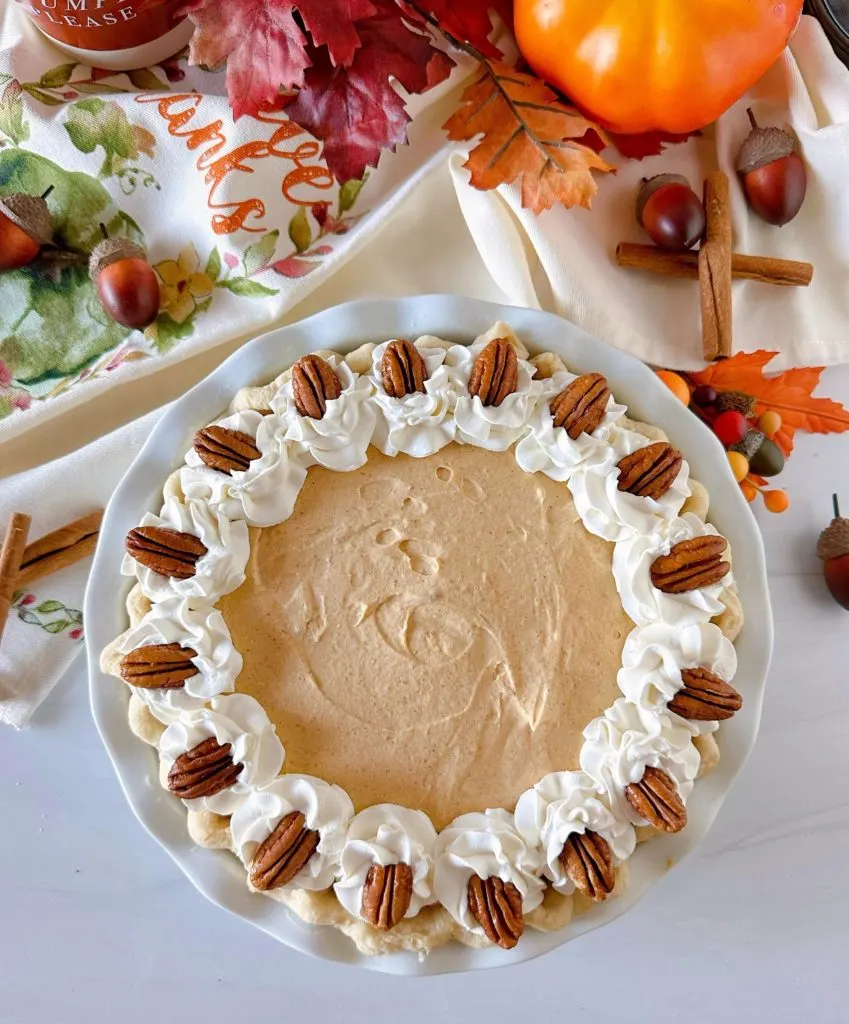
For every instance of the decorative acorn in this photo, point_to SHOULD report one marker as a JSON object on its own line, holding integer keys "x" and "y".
{"x": 764, "y": 456}
{"x": 126, "y": 283}
{"x": 25, "y": 226}
{"x": 773, "y": 173}
{"x": 833, "y": 549}
{"x": 670, "y": 212}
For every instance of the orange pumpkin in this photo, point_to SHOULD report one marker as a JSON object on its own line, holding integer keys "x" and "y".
{"x": 644, "y": 65}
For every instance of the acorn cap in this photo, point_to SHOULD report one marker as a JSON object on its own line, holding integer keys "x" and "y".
{"x": 31, "y": 214}
{"x": 764, "y": 146}
{"x": 834, "y": 539}
{"x": 735, "y": 401}
{"x": 651, "y": 185}
{"x": 113, "y": 250}
{"x": 750, "y": 444}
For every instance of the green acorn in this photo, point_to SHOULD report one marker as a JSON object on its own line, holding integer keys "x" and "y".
{"x": 768, "y": 460}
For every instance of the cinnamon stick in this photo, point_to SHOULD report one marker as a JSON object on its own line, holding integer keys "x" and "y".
{"x": 715, "y": 269}
{"x": 10, "y": 562}
{"x": 61, "y": 548}
{"x": 766, "y": 269}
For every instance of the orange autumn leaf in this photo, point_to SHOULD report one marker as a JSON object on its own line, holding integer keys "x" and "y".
{"x": 528, "y": 135}
{"x": 789, "y": 394}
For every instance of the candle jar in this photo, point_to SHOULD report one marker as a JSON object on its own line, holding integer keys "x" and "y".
{"x": 115, "y": 34}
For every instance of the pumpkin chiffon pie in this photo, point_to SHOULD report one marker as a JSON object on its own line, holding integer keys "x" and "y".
{"x": 430, "y": 636}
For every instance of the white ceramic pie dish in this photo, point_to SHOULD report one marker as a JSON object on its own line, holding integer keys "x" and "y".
{"x": 218, "y": 875}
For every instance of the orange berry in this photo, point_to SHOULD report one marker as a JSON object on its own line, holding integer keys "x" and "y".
{"x": 769, "y": 423}
{"x": 750, "y": 492}
{"x": 739, "y": 465}
{"x": 776, "y": 501}
{"x": 676, "y": 384}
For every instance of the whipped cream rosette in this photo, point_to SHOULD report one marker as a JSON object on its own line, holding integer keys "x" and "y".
{"x": 494, "y": 427}
{"x": 421, "y": 423}
{"x": 265, "y": 493}
{"x": 387, "y": 834}
{"x": 240, "y": 721}
{"x": 340, "y": 439}
{"x": 621, "y": 743}
{"x": 549, "y": 449}
{"x": 563, "y": 804}
{"x": 486, "y": 844}
{"x": 217, "y": 572}
{"x": 204, "y": 631}
{"x": 327, "y": 809}
{"x": 617, "y": 515}
{"x": 644, "y": 603}
{"x": 655, "y": 655}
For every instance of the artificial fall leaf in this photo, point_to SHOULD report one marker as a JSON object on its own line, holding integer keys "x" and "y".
{"x": 264, "y": 46}
{"x": 356, "y": 110}
{"x": 789, "y": 394}
{"x": 527, "y": 134}
{"x": 467, "y": 20}
{"x": 638, "y": 147}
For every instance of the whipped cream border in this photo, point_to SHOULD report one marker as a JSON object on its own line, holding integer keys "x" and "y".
{"x": 673, "y": 631}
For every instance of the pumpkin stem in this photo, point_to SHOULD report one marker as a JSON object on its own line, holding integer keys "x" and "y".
{"x": 752, "y": 120}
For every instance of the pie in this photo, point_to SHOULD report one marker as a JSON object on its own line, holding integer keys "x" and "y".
{"x": 430, "y": 636}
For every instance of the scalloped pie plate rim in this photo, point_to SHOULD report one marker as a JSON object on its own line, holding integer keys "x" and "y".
{"x": 217, "y": 873}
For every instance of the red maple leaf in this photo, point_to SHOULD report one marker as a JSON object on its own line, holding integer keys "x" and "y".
{"x": 467, "y": 20}
{"x": 637, "y": 147}
{"x": 355, "y": 110}
{"x": 264, "y": 46}
{"x": 332, "y": 23}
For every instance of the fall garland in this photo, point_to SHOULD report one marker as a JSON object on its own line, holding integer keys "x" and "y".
{"x": 335, "y": 64}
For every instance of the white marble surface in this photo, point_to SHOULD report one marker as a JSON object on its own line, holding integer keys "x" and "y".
{"x": 99, "y": 925}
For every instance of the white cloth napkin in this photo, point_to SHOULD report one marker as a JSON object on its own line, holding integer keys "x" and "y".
{"x": 240, "y": 219}
{"x": 44, "y": 632}
{"x": 563, "y": 260}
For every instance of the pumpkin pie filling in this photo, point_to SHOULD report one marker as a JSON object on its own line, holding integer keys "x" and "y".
{"x": 430, "y": 632}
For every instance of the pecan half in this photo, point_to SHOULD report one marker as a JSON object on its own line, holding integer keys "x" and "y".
{"x": 158, "y": 666}
{"x": 166, "y": 551}
{"x": 580, "y": 407}
{"x": 204, "y": 770}
{"x": 705, "y": 697}
{"x": 314, "y": 384}
{"x": 655, "y": 797}
{"x": 495, "y": 373}
{"x": 650, "y": 471}
{"x": 402, "y": 368}
{"x": 690, "y": 564}
{"x": 588, "y": 862}
{"x": 497, "y": 907}
{"x": 228, "y": 451}
{"x": 387, "y": 894}
{"x": 284, "y": 853}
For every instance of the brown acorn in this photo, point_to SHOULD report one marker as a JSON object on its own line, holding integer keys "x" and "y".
{"x": 773, "y": 173}
{"x": 126, "y": 283}
{"x": 833, "y": 549}
{"x": 25, "y": 226}
{"x": 670, "y": 212}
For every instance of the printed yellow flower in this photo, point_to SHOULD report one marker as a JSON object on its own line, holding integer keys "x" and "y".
{"x": 182, "y": 284}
